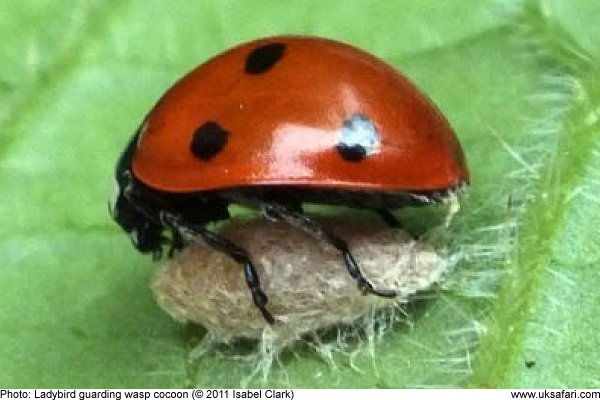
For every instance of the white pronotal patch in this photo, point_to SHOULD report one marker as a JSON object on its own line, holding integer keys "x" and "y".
{"x": 112, "y": 203}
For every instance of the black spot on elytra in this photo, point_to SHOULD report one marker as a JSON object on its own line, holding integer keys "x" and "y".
{"x": 208, "y": 140}
{"x": 354, "y": 152}
{"x": 262, "y": 58}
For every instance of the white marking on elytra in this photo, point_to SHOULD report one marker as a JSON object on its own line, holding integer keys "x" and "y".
{"x": 360, "y": 130}
{"x": 112, "y": 204}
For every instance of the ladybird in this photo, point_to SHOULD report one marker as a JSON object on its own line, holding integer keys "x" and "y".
{"x": 274, "y": 124}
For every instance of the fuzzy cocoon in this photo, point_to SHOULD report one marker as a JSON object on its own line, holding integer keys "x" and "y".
{"x": 305, "y": 279}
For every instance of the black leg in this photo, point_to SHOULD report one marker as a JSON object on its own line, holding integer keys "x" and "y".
{"x": 389, "y": 218}
{"x": 176, "y": 242}
{"x": 392, "y": 221}
{"x": 232, "y": 250}
{"x": 279, "y": 212}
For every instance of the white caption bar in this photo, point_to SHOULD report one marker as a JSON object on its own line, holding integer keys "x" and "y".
{"x": 298, "y": 394}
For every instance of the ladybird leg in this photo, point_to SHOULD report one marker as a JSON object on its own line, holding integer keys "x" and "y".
{"x": 393, "y": 222}
{"x": 279, "y": 212}
{"x": 389, "y": 218}
{"x": 234, "y": 251}
{"x": 241, "y": 256}
{"x": 176, "y": 242}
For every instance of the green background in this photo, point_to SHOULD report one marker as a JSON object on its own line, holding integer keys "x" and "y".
{"x": 517, "y": 79}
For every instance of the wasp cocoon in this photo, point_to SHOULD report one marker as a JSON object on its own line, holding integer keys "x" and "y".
{"x": 306, "y": 280}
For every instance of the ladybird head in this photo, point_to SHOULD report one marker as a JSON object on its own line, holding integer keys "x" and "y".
{"x": 145, "y": 232}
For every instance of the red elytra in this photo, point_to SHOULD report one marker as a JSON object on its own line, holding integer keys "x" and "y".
{"x": 275, "y": 123}
{"x": 284, "y": 124}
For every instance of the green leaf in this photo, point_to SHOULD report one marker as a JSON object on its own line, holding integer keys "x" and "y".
{"x": 545, "y": 311}
{"x": 517, "y": 79}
